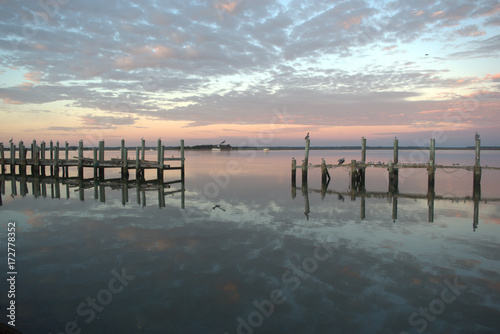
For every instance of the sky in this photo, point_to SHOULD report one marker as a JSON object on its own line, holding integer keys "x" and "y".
{"x": 251, "y": 72}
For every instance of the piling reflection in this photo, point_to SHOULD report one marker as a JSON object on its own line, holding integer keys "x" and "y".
{"x": 358, "y": 190}
{"x": 56, "y": 188}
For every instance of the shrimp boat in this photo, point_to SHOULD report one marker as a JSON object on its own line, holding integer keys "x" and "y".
{"x": 266, "y": 149}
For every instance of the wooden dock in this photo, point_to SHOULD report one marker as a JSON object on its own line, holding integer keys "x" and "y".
{"x": 357, "y": 169}
{"x": 39, "y": 158}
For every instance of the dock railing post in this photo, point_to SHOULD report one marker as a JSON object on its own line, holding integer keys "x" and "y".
{"x": 51, "y": 154}
{"x": 12, "y": 158}
{"x": 56, "y": 160}
{"x": 22, "y": 159}
{"x": 2, "y": 159}
{"x": 42, "y": 157}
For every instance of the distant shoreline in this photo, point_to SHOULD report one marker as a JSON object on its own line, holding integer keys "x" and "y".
{"x": 296, "y": 148}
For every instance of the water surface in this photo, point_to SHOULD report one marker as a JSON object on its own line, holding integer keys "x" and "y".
{"x": 241, "y": 251}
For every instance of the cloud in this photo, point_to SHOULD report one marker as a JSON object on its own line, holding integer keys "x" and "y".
{"x": 106, "y": 121}
{"x": 470, "y": 31}
{"x": 233, "y": 61}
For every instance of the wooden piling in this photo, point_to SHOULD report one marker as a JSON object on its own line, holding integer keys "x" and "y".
{"x": 56, "y": 160}
{"x": 101, "y": 159}
{"x": 22, "y": 159}
{"x": 158, "y": 153}
{"x": 161, "y": 160}
{"x": 477, "y": 165}
{"x": 395, "y": 146}
{"x": 137, "y": 165}
{"x": 33, "y": 148}
{"x": 431, "y": 169}
{"x": 12, "y": 158}
{"x": 42, "y": 157}
{"x": 122, "y": 156}
{"x": 66, "y": 157}
{"x": 35, "y": 168}
{"x": 325, "y": 176}
{"x": 125, "y": 164}
{"x": 182, "y": 160}
{"x": 304, "y": 172}
{"x": 80, "y": 160}
{"x": 51, "y": 155}
{"x": 294, "y": 171}
{"x": 2, "y": 159}
{"x": 96, "y": 162}
{"x": 143, "y": 149}
{"x": 306, "y": 158}
{"x": 363, "y": 149}
{"x": 354, "y": 174}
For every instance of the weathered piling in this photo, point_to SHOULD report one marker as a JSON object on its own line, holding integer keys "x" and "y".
{"x": 125, "y": 174}
{"x": 137, "y": 164}
{"x": 325, "y": 176}
{"x": 182, "y": 160}
{"x": 305, "y": 162}
{"x": 306, "y": 157}
{"x": 96, "y": 162}
{"x": 2, "y": 159}
{"x": 354, "y": 175}
{"x": 431, "y": 168}
{"x": 12, "y": 158}
{"x": 51, "y": 155}
{"x": 101, "y": 159}
{"x": 363, "y": 149}
{"x": 66, "y": 157}
{"x": 143, "y": 149}
{"x": 56, "y": 160}
{"x": 80, "y": 159}
{"x": 477, "y": 163}
{"x": 294, "y": 170}
{"x": 42, "y": 156}
{"x": 22, "y": 159}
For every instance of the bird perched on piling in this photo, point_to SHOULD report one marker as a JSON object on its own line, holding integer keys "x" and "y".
{"x": 341, "y": 161}
{"x": 307, "y": 136}
{"x": 477, "y": 136}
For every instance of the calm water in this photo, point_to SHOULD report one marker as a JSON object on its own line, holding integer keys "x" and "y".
{"x": 249, "y": 254}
